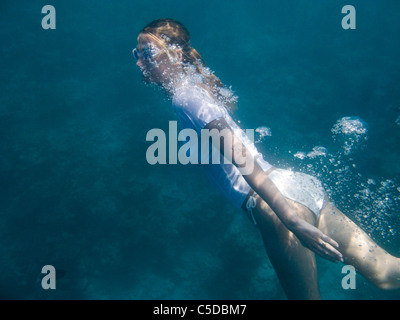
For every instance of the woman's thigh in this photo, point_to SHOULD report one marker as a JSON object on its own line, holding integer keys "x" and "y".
{"x": 294, "y": 264}
{"x": 359, "y": 249}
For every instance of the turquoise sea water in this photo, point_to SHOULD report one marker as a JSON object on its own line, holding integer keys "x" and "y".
{"x": 78, "y": 194}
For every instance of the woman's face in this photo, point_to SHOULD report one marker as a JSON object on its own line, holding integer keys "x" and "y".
{"x": 154, "y": 60}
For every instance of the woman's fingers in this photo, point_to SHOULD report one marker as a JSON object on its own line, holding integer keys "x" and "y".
{"x": 324, "y": 253}
{"x": 332, "y": 242}
{"x": 320, "y": 243}
{"x": 330, "y": 251}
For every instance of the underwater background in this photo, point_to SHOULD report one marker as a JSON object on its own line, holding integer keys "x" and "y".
{"x": 76, "y": 189}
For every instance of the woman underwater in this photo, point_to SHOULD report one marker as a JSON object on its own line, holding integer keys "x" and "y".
{"x": 291, "y": 210}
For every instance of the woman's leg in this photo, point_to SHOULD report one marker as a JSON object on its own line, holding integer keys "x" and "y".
{"x": 358, "y": 249}
{"x": 294, "y": 264}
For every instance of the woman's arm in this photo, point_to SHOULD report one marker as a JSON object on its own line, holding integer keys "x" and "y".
{"x": 234, "y": 150}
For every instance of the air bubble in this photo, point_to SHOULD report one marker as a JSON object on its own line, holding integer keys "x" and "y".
{"x": 302, "y": 156}
{"x": 350, "y": 133}
{"x": 317, "y": 151}
{"x": 262, "y": 132}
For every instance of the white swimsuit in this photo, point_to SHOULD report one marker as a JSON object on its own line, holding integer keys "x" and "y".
{"x": 195, "y": 109}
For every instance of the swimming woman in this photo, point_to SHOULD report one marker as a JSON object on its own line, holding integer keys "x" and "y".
{"x": 291, "y": 210}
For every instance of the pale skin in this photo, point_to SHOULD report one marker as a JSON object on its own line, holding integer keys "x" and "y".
{"x": 290, "y": 231}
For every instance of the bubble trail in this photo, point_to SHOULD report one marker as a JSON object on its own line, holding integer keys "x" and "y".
{"x": 350, "y": 133}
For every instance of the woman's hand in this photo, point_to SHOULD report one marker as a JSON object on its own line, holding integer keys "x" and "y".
{"x": 315, "y": 240}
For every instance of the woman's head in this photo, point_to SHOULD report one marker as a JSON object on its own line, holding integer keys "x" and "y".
{"x": 164, "y": 49}
{"x": 164, "y": 54}
{"x": 172, "y": 37}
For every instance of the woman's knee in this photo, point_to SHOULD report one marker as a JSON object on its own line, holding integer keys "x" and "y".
{"x": 387, "y": 275}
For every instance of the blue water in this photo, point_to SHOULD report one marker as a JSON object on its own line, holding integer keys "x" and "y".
{"x": 78, "y": 194}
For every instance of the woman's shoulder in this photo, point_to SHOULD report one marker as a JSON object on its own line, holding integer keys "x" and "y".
{"x": 196, "y": 103}
{"x": 193, "y": 94}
